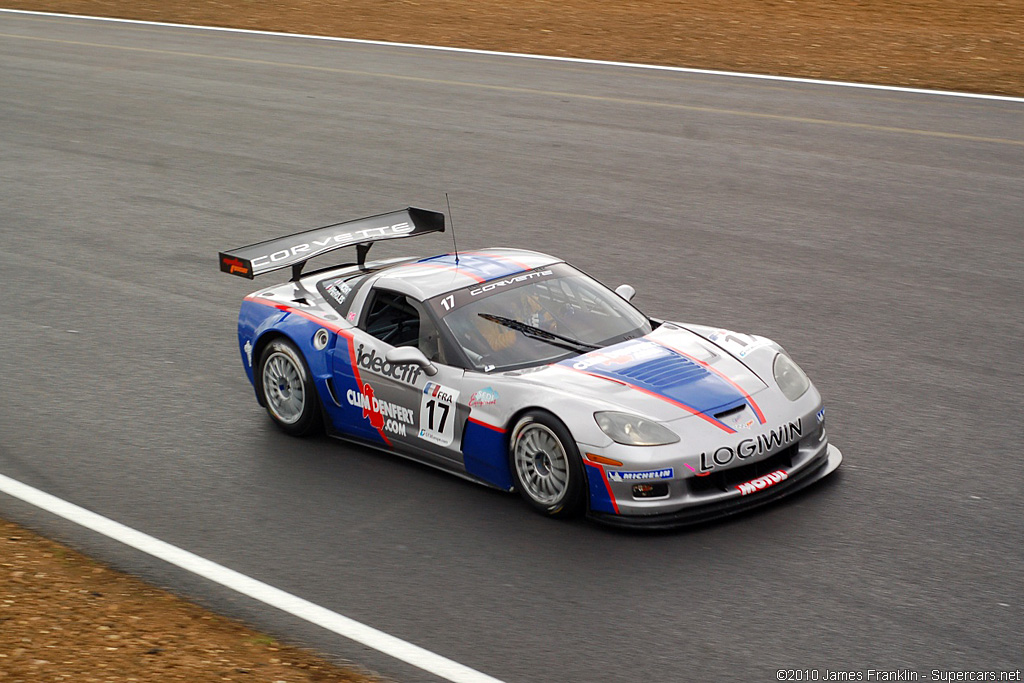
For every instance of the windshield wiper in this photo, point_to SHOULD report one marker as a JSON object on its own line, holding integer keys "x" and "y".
{"x": 541, "y": 335}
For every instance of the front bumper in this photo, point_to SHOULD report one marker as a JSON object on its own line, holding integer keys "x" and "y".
{"x": 818, "y": 468}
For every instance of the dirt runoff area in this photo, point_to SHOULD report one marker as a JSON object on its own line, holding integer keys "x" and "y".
{"x": 63, "y": 617}
{"x": 965, "y": 45}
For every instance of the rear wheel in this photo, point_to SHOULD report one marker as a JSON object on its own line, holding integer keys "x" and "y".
{"x": 286, "y": 388}
{"x": 546, "y": 465}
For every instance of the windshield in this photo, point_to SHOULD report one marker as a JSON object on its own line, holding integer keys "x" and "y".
{"x": 558, "y": 299}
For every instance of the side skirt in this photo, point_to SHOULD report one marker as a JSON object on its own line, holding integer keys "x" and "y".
{"x": 438, "y": 465}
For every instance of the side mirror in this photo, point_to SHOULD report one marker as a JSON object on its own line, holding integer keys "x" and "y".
{"x": 626, "y": 292}
{"x": 410, "y": 355}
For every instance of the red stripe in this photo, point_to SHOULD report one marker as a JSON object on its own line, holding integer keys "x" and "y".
{"x": 333, "y": 327}
{"x": 484, "y": 424}
{"x": 329, "y": 325}
{"x": 500, "y": 258}
{"x": 753, "y": 404}
{"x": 359, "y": 382}
{"x": 692, "y": 411}
{"x": 455, "y": 269}
{"x": 607, "y": 484}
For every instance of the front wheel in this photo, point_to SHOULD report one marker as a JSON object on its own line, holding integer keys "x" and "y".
{"x": 546, "y": 465}
{"x": 286, "y": 389}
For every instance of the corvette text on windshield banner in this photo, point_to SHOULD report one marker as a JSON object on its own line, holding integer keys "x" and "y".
{"x": 295, "y": 250}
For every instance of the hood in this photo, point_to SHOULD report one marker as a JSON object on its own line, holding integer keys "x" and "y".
{"x": 667, "y": 374}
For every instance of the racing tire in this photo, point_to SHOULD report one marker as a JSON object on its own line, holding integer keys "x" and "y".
{"x": 546, "y": 465}
{"x": 285, "y": 387}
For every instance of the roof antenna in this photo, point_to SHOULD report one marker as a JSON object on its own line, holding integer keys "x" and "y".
{"x": 452, "y": 221}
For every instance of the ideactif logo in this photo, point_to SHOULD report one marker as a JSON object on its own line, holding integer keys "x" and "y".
{"x": 376, "y": 364}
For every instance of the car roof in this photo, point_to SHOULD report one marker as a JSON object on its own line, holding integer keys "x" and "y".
{"x": 428, "y": 277}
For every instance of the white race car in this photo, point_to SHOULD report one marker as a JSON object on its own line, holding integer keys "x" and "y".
{"x": 513, "y": 369}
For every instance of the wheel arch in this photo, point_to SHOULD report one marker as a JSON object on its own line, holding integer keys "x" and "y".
{"x": 267, "y": 339}
{"x": 577, "y": 495}
{"x": 261, "y": 343}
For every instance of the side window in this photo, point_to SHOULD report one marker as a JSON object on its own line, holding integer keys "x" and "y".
{"x": 397, "y": 320}
{"x": 392, "y": 319}
{"x": 430, "y": 339}
{"x": 340, "y": 292}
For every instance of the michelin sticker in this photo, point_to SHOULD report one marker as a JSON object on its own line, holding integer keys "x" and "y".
{"x": 437, "y": 414}
{"x": 666, "y": 473}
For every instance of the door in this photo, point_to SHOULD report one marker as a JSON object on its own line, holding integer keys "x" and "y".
{"x": 401, "y": 405}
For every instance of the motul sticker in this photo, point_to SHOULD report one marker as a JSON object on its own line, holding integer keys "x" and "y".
{"x": 761, "y": 483}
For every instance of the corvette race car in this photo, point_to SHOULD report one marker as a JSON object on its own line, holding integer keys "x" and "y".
{"x": 515, "y": 370}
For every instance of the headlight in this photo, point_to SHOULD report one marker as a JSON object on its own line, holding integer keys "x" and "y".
{"x": 633, "y": 430}
{"x": 790, "y": 377}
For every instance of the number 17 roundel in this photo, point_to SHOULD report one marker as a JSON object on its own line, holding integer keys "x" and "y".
{"x": 437, "y": 419}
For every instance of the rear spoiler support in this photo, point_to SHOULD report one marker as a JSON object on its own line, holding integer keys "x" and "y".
{"x": 295, "y": 250}
{"x": 363, "y": 249}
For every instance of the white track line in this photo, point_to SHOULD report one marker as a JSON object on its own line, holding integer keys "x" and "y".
{"x": 574, "y": 60}
{"x": 257, "y": 590}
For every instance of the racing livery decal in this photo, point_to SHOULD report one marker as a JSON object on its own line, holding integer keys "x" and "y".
{"x": 739, "y": 345}
{"x": 437, "y": 414}
{"x": 619, "y": 355}
{"x": 496, "y": 284}
{"x": 480, "y": 267}
{"x": 755, "y": 485}
{"x": 382, "y": 415}
{"x": 339, "y": 290}
{"x": 485, "y": 397}
{"x": 377, "y": 365}
{"x": 601, "y": 497}
{"x": 484, "y": 453}
{"x": 666, "y": 374}
{"x": 618, "y": 475}
{"x": 233, "y": 266}
{"x": 747, "y": 448}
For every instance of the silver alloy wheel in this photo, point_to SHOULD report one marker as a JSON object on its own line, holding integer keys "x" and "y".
{"x": 284, "y": 388}
{"x": 541, "y": 463}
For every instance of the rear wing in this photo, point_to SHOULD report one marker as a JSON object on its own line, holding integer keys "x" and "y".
{"x": 295, "y": 250}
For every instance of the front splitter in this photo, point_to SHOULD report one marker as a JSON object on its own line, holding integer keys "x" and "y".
{"x": 706, "y": 512}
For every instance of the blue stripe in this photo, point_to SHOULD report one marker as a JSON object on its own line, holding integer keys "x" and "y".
{"x": 663, "y": 372}
{"x": 346, "y": 418}
{"x": 486, "y": 267}
{"x": 485, "y": 455}
{"x": 600, "y": 501}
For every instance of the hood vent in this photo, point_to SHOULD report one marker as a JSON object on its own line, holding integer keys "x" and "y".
{"x": 731, "y": 412}
{"x": 668, "y": 371}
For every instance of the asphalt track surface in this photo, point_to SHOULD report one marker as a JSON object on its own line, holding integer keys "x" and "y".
{"x": 877, "y": 235}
